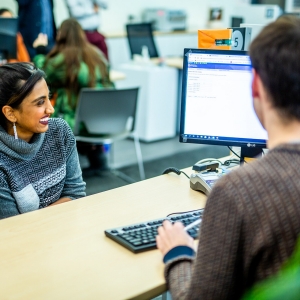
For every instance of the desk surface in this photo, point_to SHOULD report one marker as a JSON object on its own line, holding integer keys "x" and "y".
{"x": 61, "y": 252}
{"x": 116, "y": 75}
{"x": 123, "y": 34}
{"x": 174, "y": 62}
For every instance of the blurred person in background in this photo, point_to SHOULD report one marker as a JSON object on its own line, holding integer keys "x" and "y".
{"x": 35, "y": 17}
{"x": 22, "y": 53}
{"x": 86, "y": 12}
{"x": 72, "y": 64}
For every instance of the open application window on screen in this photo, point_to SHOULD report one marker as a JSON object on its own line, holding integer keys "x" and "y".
{"x": 217, "y": 100}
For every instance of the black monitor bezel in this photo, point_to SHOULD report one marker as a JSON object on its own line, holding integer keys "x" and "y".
{"x": 182, "y": 136}
{"x": 9, "y": 31}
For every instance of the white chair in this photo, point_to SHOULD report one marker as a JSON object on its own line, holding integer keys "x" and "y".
{"x": 108, "y": 115}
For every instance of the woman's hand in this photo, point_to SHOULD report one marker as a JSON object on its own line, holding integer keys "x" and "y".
{"x": 61, "y": 200}
{"x": 41, "y": 40}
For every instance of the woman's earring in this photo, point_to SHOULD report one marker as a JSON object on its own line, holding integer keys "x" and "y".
{"x": 15, "y": 131}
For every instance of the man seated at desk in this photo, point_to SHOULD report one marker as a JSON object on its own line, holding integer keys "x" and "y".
{"x": 252, "y": 216}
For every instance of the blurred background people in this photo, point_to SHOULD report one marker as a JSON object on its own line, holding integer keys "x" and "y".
{"x": 72, "y": 64}
{"x": 86, "y": 12}
{"x": 35, "y": 17}
{"x": 22, "y": 53}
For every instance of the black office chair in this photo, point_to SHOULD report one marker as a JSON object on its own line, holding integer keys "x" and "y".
{"x": 140, "y": 35}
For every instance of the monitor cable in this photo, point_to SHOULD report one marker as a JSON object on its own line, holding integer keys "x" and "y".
{"x": 225, "y": 163}
{"x": 230, "y": 148}
{"x": 182, "y": 212}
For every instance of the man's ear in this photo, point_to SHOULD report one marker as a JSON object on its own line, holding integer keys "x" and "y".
{"x": 9, "y": 113}
{"x": 255, "y": 85}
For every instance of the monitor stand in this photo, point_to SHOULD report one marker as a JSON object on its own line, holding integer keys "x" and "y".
{"x": 250, "y": 152}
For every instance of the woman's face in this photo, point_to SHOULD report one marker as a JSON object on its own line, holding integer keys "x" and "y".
{"x": 33, "y": 114}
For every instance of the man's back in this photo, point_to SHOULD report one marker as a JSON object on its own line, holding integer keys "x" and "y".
{"x": 252, "y": 216}
{"x": 250, "y": 227}
{"x": 269, "y": 199}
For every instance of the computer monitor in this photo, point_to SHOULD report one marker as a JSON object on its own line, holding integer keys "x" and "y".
{"x": 8, "y": 37}
{"x": 216, "y": 105}
{"x": 236, "y": 21}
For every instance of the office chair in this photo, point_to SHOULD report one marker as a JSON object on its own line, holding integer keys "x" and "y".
{"x": 104, "y": 116}
{"x": 140, "y": 35}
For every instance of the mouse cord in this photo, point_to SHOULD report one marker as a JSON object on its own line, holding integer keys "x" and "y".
{"x": 174, "y": 170}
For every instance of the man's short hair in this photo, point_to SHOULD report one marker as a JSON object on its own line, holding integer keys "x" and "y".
{"x": 275, "y": 55}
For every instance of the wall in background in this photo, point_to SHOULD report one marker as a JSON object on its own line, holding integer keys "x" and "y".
{"x": 116, "y": 16}
{"x": 10, "y": 4}
{"x": 197, "y": 11}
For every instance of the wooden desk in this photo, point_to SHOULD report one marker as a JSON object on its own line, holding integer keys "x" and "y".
{"x": 174, "y": 62}
{"x": 61, "y": 252}
{"x": 121, "y": 34}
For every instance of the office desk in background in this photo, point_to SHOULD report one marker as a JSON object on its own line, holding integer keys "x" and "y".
{"x": 177, "y": 63}
{"x": 169, "y": 44}
{"x": 61, "y": 252}
{"x": 157, "y": 99}
{"x": 158, "y": 111}
{"x": 173, "y": 62}
{"x": 116, "y": 75}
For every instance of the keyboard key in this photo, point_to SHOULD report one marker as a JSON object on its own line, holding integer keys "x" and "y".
{"x": 137, "y": 243}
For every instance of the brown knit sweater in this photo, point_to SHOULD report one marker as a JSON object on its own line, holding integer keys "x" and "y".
{"x": 250, "y": 226}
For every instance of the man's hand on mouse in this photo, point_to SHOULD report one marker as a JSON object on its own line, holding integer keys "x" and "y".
{"x": 170, "y": 236}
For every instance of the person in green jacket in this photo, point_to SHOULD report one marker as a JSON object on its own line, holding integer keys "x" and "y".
{"x": 284, "y": 285}
{"x": 73, "y": 63}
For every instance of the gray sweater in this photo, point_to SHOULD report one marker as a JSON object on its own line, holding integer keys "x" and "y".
{"x": 36, "y": 174}
{"x": 249, "y": 229}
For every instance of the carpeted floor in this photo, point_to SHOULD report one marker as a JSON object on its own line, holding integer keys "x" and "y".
{"x": 107, "y": 180}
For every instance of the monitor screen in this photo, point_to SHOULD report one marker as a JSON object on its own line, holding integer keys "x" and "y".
{"x": 216, "y": 105}
{"x": 236, "y": 21}
{"x": 8, "y": 37}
